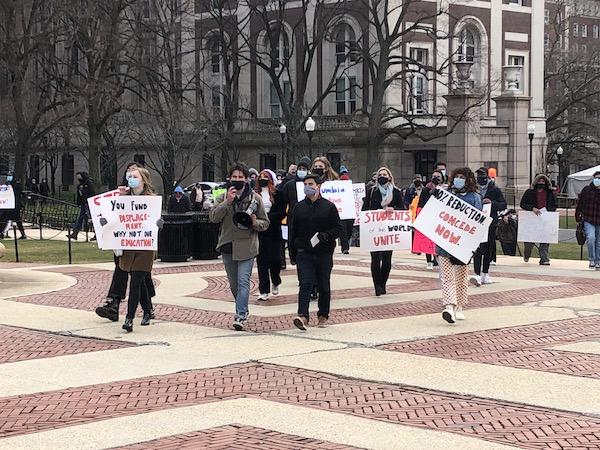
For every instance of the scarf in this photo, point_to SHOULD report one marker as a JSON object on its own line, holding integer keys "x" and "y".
{"x": 387, "y": 194}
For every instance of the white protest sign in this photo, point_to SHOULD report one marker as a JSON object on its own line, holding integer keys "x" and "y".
{"x": 540, "y": 229}
{"x": 359, "y": 195}
{"x": 338, "y": 192}
{"x": 381, "y": 230}
{"x": 96, "y": 213}
{"x": 453, "y": 224}
{"x": 131, "y": 222}
{"x": 7, "y": 197}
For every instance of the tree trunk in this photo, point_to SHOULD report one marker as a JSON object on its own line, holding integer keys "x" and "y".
{"x": 94, "y": 154}
{"x": 22, "y": 150}
{"x": 373, "y": 160}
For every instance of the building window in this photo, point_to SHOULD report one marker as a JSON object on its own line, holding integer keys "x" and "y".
{"x": 335, "y": 159}
{"x": 208, "y": 167}
{"x": 418, "y": 82}
{"x": 546, "y": 41}
{"x": 279, "y": 52}
{"x": 345, "y": 95}
{"x": 583, "y": 31}
{"x": 425, "y": 162}
{"x": 595, "y": 32}
{"x": 140, "y": 159}
{"x": 215, "y": 57}
{"x": 275, "y": 101}
{"x": 515, "y": 2}
{"x": 467, "y": 47}
{"x": 216, "y": 101}
{"x": 268, "y": 161}
{"x": 146, "y": 9}
{"x": 575, "y": 30}
{"x": 546, "y": 16}
{"x": 345, "y": 45}
{"x": 67, "y": 170}
{"x": 517, "y": 60}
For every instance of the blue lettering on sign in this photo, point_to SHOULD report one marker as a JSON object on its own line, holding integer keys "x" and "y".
{"x": 332, "y": 190}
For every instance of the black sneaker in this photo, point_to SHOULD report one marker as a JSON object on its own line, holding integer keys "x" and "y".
{"x": 128, "y": 325}
{"x": 109, "y": 311}
{"x": 145, "y": 320}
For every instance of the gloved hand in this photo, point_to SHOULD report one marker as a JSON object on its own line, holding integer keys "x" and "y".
{"x": 324, "y": 237}
{"x": 118, "y": 253}
{"x": 103, "y": 221}
{"x": 160, "y": 223}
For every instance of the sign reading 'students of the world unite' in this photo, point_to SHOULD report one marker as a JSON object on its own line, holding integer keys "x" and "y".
{"x": 453, "y": 224}
{"x": 382, "y": 230}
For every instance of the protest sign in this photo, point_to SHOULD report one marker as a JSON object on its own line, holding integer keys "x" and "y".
{"x": 453, "y": 224}
{"x": 539, "y": 229}
{"x": 95, "y": 213}
{"x": 421, "y": 244}
{"x": 7, "y": 197}
{"x": 382, "y": 230}
{"x": 359, "y": 195}
{"x": 339, "y": 192}
{"x": 131, "y": 222}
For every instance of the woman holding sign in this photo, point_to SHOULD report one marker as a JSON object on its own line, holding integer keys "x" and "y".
{"x": 384, "y": 195}
{"x": 454, "y": 273}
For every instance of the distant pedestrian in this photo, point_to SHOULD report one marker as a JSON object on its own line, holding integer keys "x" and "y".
{"x": 347, "y": 224}
{"x": 179, "y": 203}
{"x": 44, "y": 188}
{"x": 14, "y": 215}
{"x": 539, "y": 198}
{"x": 588, "y": 212}
{"x": 344, "y": 174}
{"x": 197, "y": 197}
{"x": 507, "y": 232}
{"x": 436, "y": 182}
{"x": 85, "y": 190}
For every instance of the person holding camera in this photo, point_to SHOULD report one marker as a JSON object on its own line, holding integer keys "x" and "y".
{"x": 315, "y": 227}
{"x": 242, "y": 215}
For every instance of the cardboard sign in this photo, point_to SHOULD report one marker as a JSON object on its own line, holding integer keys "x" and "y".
{"x": 359, "y": 194}
{"x": 131, "y": 222}
{"x": 7, "y": 197}
{"x": 339, "y": 192}
{"x": 381, "y": 230}
{"x": 538, "y": 229}
{"x": 421, "y": 244}
{"x": 453, "y": 224}
{"x": 96, "y": 213}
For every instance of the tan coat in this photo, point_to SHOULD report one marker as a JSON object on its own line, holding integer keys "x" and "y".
{"x": 244, "y": 242}
{"x": 137, "y": 260}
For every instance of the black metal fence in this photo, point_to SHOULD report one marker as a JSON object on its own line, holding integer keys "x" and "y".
{"x": 48, "y": 212}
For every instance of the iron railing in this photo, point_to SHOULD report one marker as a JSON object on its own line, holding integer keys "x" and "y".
{"x": 48, "y": 212}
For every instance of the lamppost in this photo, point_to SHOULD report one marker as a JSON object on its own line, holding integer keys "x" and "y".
{"x": 310, "y": 129}
{"x": 559, "y": 153}
{"x": 282, "y": 133}
{"x": 531, "y": 133}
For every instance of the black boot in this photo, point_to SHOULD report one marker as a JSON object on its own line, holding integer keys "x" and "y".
{"x": 73, "y": 235}
{"x": 151, "y": 309}
{"x": 146, "y": 319}
{"x": 109, "y": 311}
{"x": 128, "y": 325}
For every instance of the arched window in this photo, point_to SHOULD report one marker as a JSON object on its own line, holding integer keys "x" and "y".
{"x": 216, "y": 58}
{"x": 467, "y": 50}
{"x": 345, "y": 44}
{"x": 279, "y": 46}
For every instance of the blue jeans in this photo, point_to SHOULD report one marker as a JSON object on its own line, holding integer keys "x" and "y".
{"x": 592, "y": 234}
{"x": 83, "y": 214}
{"x": 238, "y": 274}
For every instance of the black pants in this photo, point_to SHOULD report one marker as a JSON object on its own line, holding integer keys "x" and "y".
{"x": 314, "y": 270}
{"x": 138, "y": 293}
{"x": 381, "y": 265}
{"x": 483, "y": 255}
{"x": 13, "y": 215}
{"x": 269, "y": 263}
{"x": 282, "y": 254}
{"x": 431, "y": 259}
{"x": 509, "y": 248}
{"x": 347, "y": 227}
{"x": 118, "y": 286}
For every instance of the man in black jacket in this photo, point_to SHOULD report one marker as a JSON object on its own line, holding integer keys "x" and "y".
{"x": 290, "y": 196}
{"x": 85, "y": 190}
{"x": 315, "y": 227}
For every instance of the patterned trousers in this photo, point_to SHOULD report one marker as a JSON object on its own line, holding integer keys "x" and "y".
{"x": 455, "y": 282}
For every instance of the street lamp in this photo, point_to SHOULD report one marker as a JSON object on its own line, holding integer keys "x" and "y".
{"x": 559, "y": 153}
{"x": 531, "y": 133}
{"x": 310, "y": 129}
{"x": 282, "y": 132}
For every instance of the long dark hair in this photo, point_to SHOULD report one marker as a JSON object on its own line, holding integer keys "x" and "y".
{"x": 471, "y": 182}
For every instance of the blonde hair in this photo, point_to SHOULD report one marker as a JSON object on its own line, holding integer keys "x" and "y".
{"x": 387, "y": 169}
{"x": 331, "y": 174}
{"x": 148, "y": 188}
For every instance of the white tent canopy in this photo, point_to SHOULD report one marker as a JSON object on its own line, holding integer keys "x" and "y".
{"x": 577, "y": 181}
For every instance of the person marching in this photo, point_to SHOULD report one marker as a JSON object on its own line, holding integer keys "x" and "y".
{"x": 238, "y": 242}
{"x": 437, "y": 181}
{"x": 85, "y": 190}
{"x": 491, "y": 195}
{"x": 347, "y": 224}
{"x": 269, "y": 241}
{"x": 322, "y": 167}
{"x": 588, "y": 212}
{"x": 538, "y": 197}
{"x": 290, "y": 195}
{"x": 385, "y": 195}
{"x": 455, "y": 274}
{"x": 14, "y": 215}
{"x": 315, "y": 227}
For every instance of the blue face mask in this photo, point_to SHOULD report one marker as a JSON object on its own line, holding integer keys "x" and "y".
{"x": 133, "y": 183}
{"x": 309, "y": 191}
{"x": 301, "y": 174}
{"x": 9, "y": 178}
{"x": 596, "y": 182}
{"x": 459, "y": 183}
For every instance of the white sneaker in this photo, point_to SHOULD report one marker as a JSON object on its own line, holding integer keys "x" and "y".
{"x": 429, "y": 266}
{"x": 492, "y": 263}
{"x": 263, "y": 297}
{"x": 275, "y": 290}
{"x": 486, "y": 279}
{"x": 239, "y": 324}
{"x": 448, "y": 314}
{"x": 475, "y": 280}
{"x": 458, "y": 313}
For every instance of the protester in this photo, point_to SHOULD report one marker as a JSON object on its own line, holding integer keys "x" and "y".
{"x": 14, "y": 215}
{"x": 454, "y": 273}
{"x": 372, "y": 182}
{"x": 290, "y": 195}
{"x": 178, "y": 202}
{"x": 536, "y": 199}
{"x": 269, "y": 249}
{"x": 315, "y": 227}
{"x": 322, "y": 167}
{"x": 507, "y": 232}
{"x": 238, "y": 244}
{"x": 347, "y": 224}
{"x": 437, "y": 181}
{"x": 33, "y": 186}
{"x": 388, "y": 197}
{"x": 253, "y": 176}
{"x": 491, "y": 195}
{"x": 197, "y": 199}
{"x": 413, "y": 191}
{"x": 291, "y": 173}
{"x": 85, "y": 190}
{"x": 441, "y": 167}
{"x": 588, "y": 212}
{"x": 44, "y": 189}
{"x": 344, "y": 174}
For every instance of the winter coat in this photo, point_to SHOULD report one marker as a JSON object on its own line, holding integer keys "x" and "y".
{"x": 529, "y": 199}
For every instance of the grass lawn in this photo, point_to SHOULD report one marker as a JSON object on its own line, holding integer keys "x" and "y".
{"x": 562, "y": 250}
{"x": 562, "y": 222}
{"x": 55, "y": 252}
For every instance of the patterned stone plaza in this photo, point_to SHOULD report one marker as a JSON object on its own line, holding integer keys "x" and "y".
{"x": 523, "y": 371}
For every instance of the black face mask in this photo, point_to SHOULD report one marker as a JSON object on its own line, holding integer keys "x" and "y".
{"x": 482, "y": 181}
{"x": 540, "y": 186}
{"x": 418, "y": 184}
{"x": 262, "y": 182}
{"x": 238, "y": 184}
{"x": 319, "y": 171}
{"x": 383, "y": 180}
{"x": 435, "y": 181}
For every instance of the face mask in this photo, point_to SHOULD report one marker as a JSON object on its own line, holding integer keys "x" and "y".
{"x": 133, "y": 183}
{"x": 301, "y": 174}
{"x": 435, "y": 181}
{"x": 540, "y": 186}
{"x": 9, "y": 178}
{"x": 263, "y": 183}
{"x": 444, "y": 172}
{"x": 418, "y": 184}
{"x": 238, "y": 184}
{"x": 309, "y": 191}
{"x": 383, "y": 180}
{"x": 596, "y": 182}
{"x": 319, "y": 171}
{"x": 459, "y": 183}
{"x": 482, "y": 181}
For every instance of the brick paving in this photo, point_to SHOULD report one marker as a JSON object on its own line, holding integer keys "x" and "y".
{"x": 18, "y": 344}
{"x": 524, "y": 347}
{"x": 236, "y": 436}
{"x": 502, "y": 422}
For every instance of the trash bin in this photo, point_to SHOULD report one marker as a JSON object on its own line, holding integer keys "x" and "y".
{"x": 205, "y": 236}
{"x": 174, "y": 238}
